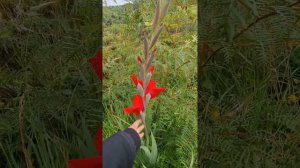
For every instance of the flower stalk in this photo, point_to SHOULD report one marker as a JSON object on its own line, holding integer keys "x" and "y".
{"x": 146, "y": 87}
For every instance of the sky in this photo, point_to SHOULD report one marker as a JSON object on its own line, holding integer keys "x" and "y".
{"x": 112, "y": 3}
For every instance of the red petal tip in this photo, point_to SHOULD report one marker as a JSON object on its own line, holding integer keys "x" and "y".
{"x": 134, "y": 79}
{"x": 151, "y": 69}
{"x": 140, "y": 59}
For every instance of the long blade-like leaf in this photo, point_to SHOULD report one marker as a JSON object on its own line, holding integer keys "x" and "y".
{"x": 153, "y": 150}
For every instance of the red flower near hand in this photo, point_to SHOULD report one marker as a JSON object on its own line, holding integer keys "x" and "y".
{"x": 137, "y": 106}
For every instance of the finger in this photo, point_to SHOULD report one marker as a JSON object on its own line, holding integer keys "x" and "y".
{"x": 140, "y": 128}
{"x": 141, "y": 135}
{"x": 136, "y": 124}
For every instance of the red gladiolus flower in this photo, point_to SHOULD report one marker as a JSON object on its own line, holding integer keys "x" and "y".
{"x": 151, "y": 88}
{"x": 97, "y": 64}
{"x": 137, "y": 106}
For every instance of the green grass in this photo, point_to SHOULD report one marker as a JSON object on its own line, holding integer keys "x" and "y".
{"x": 44, "y": 56}
{"x": 248, "y": 117}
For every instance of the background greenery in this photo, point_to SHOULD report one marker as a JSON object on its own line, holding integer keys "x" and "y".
{"x": 248, "y": 71}
{"x": 44, "y": 48}
{"x": 249, "y": 83}
{"x": 174, "y": 113}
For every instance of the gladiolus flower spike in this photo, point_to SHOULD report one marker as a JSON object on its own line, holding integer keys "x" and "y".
{"x": 138, "y": 101}
{"x": 146, "y": 86}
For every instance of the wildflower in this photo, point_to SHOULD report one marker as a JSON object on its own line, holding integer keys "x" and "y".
{"x": 137, "y": 106}
{"x": 151, "y": 88}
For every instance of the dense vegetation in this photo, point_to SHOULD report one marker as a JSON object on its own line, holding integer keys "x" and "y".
{"x": 175, "y": 111}
{"x": 249, "y": 74}
{"x": 49, "y": 94}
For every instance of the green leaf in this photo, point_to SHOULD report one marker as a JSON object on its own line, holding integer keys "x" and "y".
{"x": 153, "y": 156}
{"x": 146, "y": 150}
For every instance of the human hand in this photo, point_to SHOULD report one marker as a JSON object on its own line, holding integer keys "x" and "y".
{"x": 138, "y": 126}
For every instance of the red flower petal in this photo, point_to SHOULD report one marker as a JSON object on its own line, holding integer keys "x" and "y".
{"x": 137, "y": 113}
{"x": 156, "y": 92}
{"x": 151, "y": 85}
{"x": 97, "y": 64}
{"x": 92, "y": 162}
{"x": 98, "y": 140}
{"x": 137, "y": 106}
{"x": 129, "y": 110}
{"x": 140, "y": 59}
{"x": 134, "y": 79}
{"x": 151, "y": 69}
{"x": 138, "y": 102}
